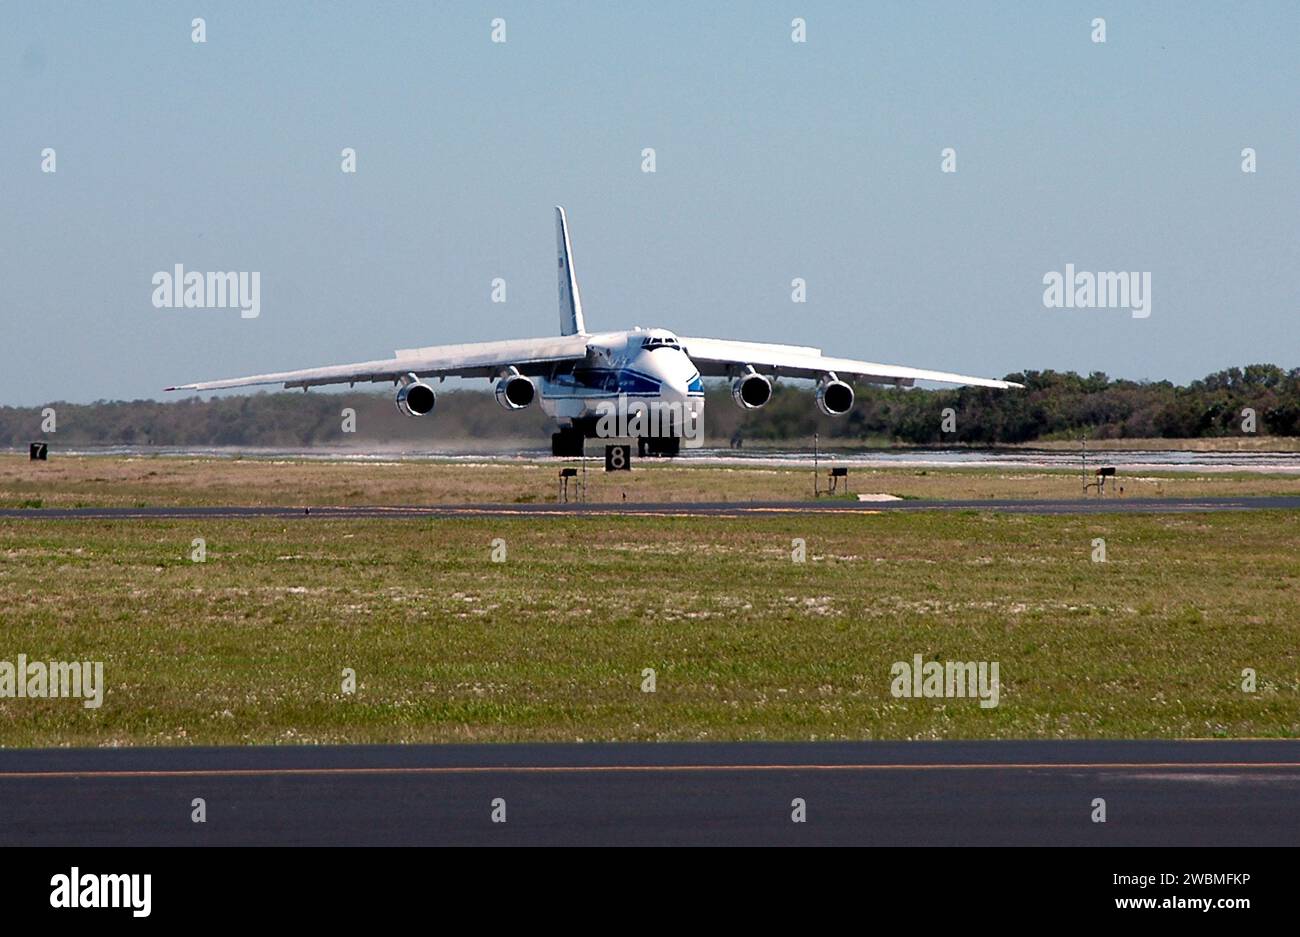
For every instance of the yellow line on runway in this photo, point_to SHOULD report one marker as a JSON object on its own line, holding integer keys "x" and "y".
{"x": 579, "y": 769}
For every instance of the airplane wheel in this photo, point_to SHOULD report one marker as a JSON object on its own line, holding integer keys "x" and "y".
{"x": 662, "y": 446}
{"x": 567, "y": 443}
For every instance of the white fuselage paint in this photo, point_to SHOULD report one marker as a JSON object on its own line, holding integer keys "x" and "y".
{"x": 647, "y": 365}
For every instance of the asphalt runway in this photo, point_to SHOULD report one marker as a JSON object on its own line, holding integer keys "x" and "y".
{"x": 858, "y": 793}
{"x": 675, "y": 509}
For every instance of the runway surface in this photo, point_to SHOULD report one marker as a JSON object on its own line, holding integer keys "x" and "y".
{"x": 674, "y": 509}
{"x": 1129, "y": 461}
{"x": 868, "y": 793}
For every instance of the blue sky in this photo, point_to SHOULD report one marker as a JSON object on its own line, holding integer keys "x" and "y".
{"x": 775, "y": 160}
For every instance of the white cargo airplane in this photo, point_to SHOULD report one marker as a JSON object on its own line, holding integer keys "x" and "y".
{"x": 580, "y": 375}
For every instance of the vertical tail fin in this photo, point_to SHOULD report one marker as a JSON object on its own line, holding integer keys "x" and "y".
{"x": 570, "y": 301}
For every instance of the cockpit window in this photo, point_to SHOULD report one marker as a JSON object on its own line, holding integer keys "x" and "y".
{"x": 660, "y": 341}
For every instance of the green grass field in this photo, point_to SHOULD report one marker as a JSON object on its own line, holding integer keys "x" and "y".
{"x": 250, "y": 646}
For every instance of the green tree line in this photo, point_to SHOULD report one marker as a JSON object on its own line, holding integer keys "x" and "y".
{"x": 1053, "y": 405}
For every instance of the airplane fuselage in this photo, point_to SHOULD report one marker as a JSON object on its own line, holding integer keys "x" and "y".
{"x": 645, "y": 365}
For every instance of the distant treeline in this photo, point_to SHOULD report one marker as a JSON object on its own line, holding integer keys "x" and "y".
{"x": 278, "y": 420}
{"x": 1053, "y": 406}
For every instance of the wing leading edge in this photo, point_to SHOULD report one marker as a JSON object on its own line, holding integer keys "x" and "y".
{"x": 477, "y": 359}
{"x": 717, "y": 357}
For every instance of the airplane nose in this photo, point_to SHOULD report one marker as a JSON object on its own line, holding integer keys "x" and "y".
{"x": 674, "y": 389}
{"x": 672, "y": 370}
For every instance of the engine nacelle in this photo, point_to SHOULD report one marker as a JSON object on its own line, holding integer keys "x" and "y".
{"x": 415, "y": 399}
{"x": 751, "y": 390}
{"x": 515, "y": 392}
{"x": 834, "y": 397}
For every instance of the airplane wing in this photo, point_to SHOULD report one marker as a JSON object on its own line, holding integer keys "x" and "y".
{"x": 717, "y": 357}
{"x": 531, "y": 356}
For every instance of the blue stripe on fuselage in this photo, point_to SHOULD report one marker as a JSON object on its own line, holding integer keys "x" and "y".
{"x": 614, "y": 381}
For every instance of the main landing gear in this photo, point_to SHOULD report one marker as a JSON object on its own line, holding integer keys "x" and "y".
{"x": 666, "y": 446}
{"x": 568, "y": 442}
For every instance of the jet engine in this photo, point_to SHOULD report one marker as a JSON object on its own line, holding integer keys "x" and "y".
{"x": 415, "y": 399}
{"x": 834, "y": 397}
{"x": 514, "y": 392}
{"x": 751, "y": 390}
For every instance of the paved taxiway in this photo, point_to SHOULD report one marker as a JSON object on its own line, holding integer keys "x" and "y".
{"x": 897, "y": 793}
{"x": 676, "y": 509}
